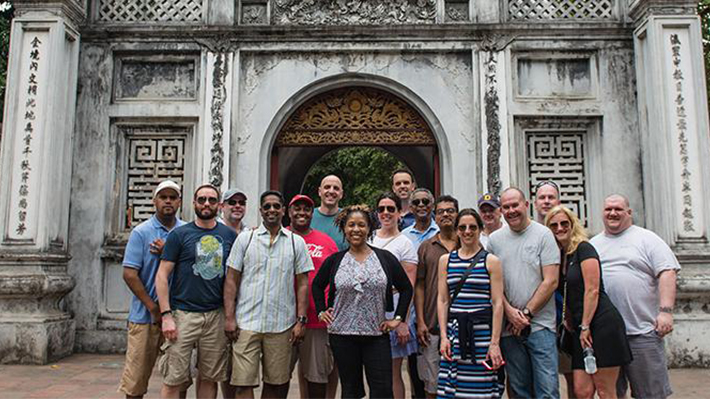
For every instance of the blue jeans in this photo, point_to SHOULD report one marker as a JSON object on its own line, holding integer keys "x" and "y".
{"x": 531, "y": 365}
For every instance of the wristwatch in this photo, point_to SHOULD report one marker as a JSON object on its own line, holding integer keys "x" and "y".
{"x": 169, "y": 311}
{"x": 527, "y": 313}
{"x": 583, "y": 327}
{"x": 302, "y": 319}
{"x": 398, "y": 318}
{"x": 665, "y": 309}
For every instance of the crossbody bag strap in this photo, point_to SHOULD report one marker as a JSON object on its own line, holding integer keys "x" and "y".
{"x": 465, "y": 275}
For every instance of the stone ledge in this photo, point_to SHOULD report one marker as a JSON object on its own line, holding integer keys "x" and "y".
{"x": 35, "y": 342}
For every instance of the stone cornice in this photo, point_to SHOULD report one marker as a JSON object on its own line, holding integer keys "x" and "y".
{"x": 640, "y": 10}
{"x": 73, "y": 10}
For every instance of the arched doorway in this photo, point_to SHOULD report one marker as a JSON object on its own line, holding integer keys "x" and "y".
{"x": 353, "y": 116}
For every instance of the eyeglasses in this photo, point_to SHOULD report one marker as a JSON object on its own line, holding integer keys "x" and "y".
{"x": 545, "y": 183}
{"x": 267, "y": 207}
{"x": 564, "y": 224}
{"x": 211, "y": 200}
{"x": 233, "y": 202}
{"x": 464, "y": 227}
{"x": 442, "y": 211}
{"x": 388, "y": 208}
{"x": 423, "y": 201}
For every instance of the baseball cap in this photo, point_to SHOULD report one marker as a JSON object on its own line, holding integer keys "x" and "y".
{"x": 301, "y": 197}
{"x": 489, "y": 199}
{"x": 166, "y": 184}
{"x": 231, "y": 193}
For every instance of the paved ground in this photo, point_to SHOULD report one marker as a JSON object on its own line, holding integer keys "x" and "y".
{"x": 96, "y": 376}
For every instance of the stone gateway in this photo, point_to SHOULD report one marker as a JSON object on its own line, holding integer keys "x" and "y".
{"x": 106, "y": 98}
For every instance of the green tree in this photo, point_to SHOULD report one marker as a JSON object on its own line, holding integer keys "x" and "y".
{"x": 365, "y": 172}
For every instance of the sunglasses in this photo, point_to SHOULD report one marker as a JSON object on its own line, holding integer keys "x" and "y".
{"x": 388, "y": 208}
{"x": 211, "y": 200}
{"x": 442, "y": 211}
{"x": 267, "y": 207}
{"x": 464, "y": 227}
{"x": 423, "y": 201}
{"x": 564, "y": 224}
{"x": 233, "y": 202}
{"x": 547, "y": 182}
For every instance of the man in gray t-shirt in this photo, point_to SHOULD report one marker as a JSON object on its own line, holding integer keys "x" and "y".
{"x": 530, "y": 258}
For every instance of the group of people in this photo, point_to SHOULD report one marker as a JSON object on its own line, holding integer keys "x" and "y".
{"x": 477, "y": 300}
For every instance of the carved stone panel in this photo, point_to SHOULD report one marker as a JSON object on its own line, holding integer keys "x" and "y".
{"x": 152, "y": 154}
{"x": 355, "y": 116}
{"x": 527, "y": 10}
{"x": 557, "y": 152}
{"x": 555, "y": 77}
{"x": 456, "y": 11}
{"x": 254, "y": 12}
{"x": 147, "y": 11}
{"x": 353, "y": 12}
{"x": 156, "y": 77}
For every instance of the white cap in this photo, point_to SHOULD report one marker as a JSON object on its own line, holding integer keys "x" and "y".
{"x": 166, "y": 184}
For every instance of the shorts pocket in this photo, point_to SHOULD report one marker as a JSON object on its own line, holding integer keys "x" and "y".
{"x": 164, "y": 359}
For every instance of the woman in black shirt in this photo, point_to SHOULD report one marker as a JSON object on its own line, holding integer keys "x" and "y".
{"x": 588, "y": 312}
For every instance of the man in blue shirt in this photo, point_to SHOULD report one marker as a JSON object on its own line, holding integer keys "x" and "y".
{"x": 421, "y": 205}
{"x": 140, "y": 264}
{"x": 403, "y": 184}
{"x": 191, "y": 307}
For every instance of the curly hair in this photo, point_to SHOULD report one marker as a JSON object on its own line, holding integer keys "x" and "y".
{"x": 342, "y": 218}
{"x": 578, "y": 232}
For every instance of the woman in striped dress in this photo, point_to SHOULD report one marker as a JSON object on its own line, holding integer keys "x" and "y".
{"x": 470, "y": 320}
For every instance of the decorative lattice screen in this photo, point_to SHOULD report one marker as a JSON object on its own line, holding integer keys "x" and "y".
{"x": 560, "y": 9}
{"x": 152, "y": 158}
{"x": 559, "y": 157}
{"x": 142, "y": 11}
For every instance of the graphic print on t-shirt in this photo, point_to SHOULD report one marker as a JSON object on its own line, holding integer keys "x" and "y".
{"x": 314, "y": 251}
{"x": 208, "y": 258}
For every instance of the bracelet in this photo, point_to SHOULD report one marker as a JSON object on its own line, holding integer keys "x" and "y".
{"x": 583, "y": 327}
{"x": 665, "y": 309}
{"x": 169, "y": 311}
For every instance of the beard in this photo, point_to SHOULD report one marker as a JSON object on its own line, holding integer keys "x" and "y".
{"x": 206, "y": 214}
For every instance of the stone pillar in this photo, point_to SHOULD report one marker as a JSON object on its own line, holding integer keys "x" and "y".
{"x": 673, "y": 118}
{"x": 36, "y": 180}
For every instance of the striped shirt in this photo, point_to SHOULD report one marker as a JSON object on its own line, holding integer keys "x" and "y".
{"x": 267, "y": 299}
{"x": 476, "y": 291}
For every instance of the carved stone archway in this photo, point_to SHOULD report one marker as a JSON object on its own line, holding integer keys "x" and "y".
{"x": 353, "y": 116}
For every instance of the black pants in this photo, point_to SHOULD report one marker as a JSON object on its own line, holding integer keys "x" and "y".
{"x": 352, "y": 353}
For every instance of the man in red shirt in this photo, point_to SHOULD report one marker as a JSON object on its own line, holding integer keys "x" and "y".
{"x": 318, "y": 377}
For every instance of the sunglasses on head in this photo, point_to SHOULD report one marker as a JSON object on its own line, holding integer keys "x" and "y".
{"x": 211, "y": 200}
{"x": 233, "y": 202}
{"x": 464, "y": 227}
{"x": 276, "y": 206}
{"x": 388, "y": 208}
{"x": 545, "y": 183}
{"x": 423, "y": 201}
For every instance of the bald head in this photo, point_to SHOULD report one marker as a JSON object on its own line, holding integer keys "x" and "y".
{"x": 618, "y": 197}
{"x": 617, "y": 214}
{"x": 330, "y": 192}
{"x": 514, "y": 207}
{"x": 513, "y": 191}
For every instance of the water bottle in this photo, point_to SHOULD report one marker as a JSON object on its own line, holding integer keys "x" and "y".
{"x": 590, "y": 362}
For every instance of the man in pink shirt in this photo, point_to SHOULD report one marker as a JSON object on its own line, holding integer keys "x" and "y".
{"x": 318, "y": 377}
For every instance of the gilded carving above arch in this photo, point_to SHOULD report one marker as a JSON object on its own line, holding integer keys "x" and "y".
{"x": 355, "y": 116}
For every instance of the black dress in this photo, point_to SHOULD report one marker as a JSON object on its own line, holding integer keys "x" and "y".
{"x": 611, "y": 347}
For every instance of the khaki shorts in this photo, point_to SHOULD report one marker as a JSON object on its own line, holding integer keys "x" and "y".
{"x": 142, "y": 350}
{"x": 273, "y": 349}
{"x": 206, "y": 330}
{"x": 315, "y": 356}
{"x": 428, "y": 364}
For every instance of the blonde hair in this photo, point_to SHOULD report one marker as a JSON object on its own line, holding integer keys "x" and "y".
{"x": 578, "y": 232}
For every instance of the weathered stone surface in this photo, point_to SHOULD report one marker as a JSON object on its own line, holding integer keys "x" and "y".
{"x": 152, "y": 78}
{"x": 358, "y": 12}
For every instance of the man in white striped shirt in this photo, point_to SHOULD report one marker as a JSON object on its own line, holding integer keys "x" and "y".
{"x": 270, "y": 314}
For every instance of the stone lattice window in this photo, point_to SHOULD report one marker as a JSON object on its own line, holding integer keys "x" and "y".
{"x": 154, "y": 153}
{"x": 142, "y": 11}
{"x": 559, "y": 157}
{"x": 526, "y": 10}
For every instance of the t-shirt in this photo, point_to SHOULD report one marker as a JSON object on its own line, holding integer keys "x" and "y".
{"x": 522, "y": 257}
{"x": 200, "y": 257}
{"x": 326, "y": 224}
{"x": 429, "y": 253}
{"x": 399, "y": 246}
{"x": 138, "y": 256}
{"x": 631, "y": 263}
{"x": 320, "y": 246}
